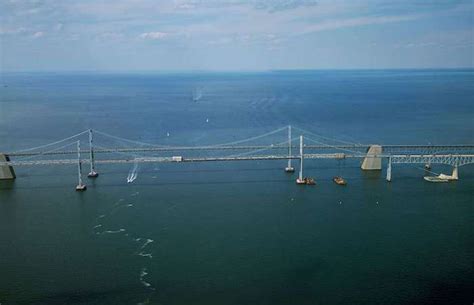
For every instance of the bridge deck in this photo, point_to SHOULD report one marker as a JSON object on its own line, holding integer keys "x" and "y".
{"x": 362, "y": 148}
{"x": 407, "y": 158}
{"x": 453, "y": 155}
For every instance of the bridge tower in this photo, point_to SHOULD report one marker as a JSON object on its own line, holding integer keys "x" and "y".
{"x": 300, "y": 179}
{"x": 80, "y": 186}
{"x": 389, "y": 169}
{"x": 289, "y": 168}
{"x": 93, "y": 173}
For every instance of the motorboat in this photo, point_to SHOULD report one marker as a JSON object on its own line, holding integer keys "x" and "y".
{"x": 306, "y": 180}
{"x": 339, "y": 180}
{"x": 435, "y": 179}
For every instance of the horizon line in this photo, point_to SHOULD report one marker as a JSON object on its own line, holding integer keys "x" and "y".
{"x": 191, "y": 71}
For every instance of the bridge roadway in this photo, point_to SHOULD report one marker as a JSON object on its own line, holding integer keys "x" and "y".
{"x": 452, "y": 155}
{"x": 361, "y": 147}
{"x": 450, "y": 159}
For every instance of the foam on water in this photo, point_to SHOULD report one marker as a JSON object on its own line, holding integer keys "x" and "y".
{"x": 140, "y": 251}
{"x": 143, "y": 274}
{"x": 114, "y": 232}
{"x": 148, "y": 241}
{"x": 144, "y": 242}
{"x": 149, "y": 255}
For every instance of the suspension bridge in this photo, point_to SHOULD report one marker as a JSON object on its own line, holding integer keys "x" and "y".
{"x": 279, "y": 144}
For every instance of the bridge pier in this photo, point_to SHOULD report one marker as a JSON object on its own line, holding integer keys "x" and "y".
{"x": 289, "y": 168}
{"x": 372, "y": 161}
{"x": 455, "y": 172}
{"x": 6, "y": 171}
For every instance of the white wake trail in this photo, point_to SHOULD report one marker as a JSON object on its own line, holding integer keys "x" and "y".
{"x": 133, "y": 174}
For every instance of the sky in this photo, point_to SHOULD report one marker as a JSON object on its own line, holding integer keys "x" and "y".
{"x": 234, "y": 35}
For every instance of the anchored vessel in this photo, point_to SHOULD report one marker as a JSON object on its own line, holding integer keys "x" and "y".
{"x": 443, "y": 177}
{"x": 339, "y": 180}
{"x": 306, "y": 180}
{"x": 435, "y": 179}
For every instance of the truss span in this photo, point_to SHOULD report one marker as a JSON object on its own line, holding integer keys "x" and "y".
{"x": 452, "y": 159}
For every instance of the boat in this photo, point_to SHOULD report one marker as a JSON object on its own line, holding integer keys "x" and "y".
{"x": 443, "y": 177}
{"x": 339, "y": 180}
{"x": 306, "y": 180}
{"x": 435, "y": 179}
{"x": 197, "y": 94}
{"x": 448, "y": 177}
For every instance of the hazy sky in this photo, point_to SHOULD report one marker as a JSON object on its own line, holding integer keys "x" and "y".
{"x": 50, "y": 35}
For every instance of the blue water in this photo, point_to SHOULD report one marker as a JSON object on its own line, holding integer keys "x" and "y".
{"x": 242, "y": 232}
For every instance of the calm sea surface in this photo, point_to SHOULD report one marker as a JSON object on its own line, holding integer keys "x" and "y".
{"x": 237, "y": 232}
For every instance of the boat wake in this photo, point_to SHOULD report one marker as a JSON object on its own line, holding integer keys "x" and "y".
{"x": 197, "y": 94}
{"x": 143, "y": 244}
{"x": 133, "y": 174}
{"x": 143, "y": 274}
{"x": 141, "y": 251}
{"x": 113, "y": 231}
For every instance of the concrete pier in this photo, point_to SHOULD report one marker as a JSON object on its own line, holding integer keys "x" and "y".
{"x": 373, "y": 161}
{"x": 6, "y": 172}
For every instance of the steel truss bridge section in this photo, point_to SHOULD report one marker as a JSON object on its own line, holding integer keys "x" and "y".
{"x": 451, "y": 159}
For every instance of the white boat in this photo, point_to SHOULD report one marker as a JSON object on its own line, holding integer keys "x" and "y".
{"x": 443, "y": 177}
{"x": 448, "y": 177}
{"x": 197, "y": 94}
{"x": 435, "y": 179}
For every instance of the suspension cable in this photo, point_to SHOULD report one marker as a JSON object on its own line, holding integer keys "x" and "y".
{"x": 261, "y": 149}
{"x": 335, "y": 147}
{"x": 326, "y": 138}
{"x": 114, "y": 151}
{"x": 47, "y": 152}
{"x": 214, "y": 145}
{"x": 53, "y": 143}
{"x": 250, "y": 139}
{"x": 127, "y": 140}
